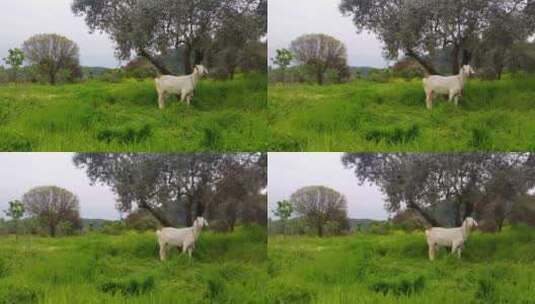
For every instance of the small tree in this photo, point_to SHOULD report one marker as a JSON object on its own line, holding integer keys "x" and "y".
{"x": 51, "y": 53}
{"x": 51, "y": 206}
{"x": 15, "y": 60}
{"x": 15, "y": 212}
{"x": 284, "y": 212}
{"x": 320, "y": 205}
{"x": 319, "y": 52}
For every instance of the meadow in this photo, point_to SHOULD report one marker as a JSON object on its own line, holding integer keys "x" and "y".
{"x": 98, "y": 268}
{"x": 96, "y": 116}
{"x": 394, "y": 268}
{"x": 363, "y": 116}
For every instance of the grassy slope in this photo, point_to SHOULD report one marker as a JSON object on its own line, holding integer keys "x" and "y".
{"x": 368, "y": 116}
{"x": 496, "y": 268}
{"x": 100, "y": 116}
{"x": 226, "y": 268}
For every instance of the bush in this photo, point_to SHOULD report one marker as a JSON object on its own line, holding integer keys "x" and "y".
{"x": 400, "y": 287}
{"x": 129, "y": 287}
{"x": 13, "y": 142}
{"x": 125, "y": 135}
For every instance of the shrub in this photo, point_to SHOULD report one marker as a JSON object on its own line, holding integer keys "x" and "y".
{"x": 18, "y": 294}
{"x": 125, "y": 135}
{"x": 400, "y": 287}
{"x": 394, "y": 135}
{"x": 130, "y": 287}
{"x": 12, "y": 142}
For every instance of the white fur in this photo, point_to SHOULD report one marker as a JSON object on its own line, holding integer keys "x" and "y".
{"x": 449, "y": 237}
{"x": 180, "y": 85}
{"x": 453, "y": 86}
{"x": 184, "y": 238}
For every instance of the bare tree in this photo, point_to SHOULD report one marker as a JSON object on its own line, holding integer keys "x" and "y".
{"x": 52, "y": 205}
{"x": 320, "y": 52}
{"x": 51, "y": 53}
{"x": 320, "y": 205}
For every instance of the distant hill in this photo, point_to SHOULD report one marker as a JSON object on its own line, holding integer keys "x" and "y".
{"x": 90, "y": 72}
{"x": 94, "y": 223}
{"x": 362, "y": 71}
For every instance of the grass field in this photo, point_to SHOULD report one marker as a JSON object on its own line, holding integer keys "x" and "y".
{"x": 124, "y": 117}
{"x": 364, "y": 116}
{"x": 496, "y": 268}
{"x": 95, "y": 268}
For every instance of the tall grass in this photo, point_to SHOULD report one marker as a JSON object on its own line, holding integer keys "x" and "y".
{"x": 96, "y": 268}
{"x": 366, "y": 268}
{"x": 101, "y": 116}
{"x": 366, "y": 116}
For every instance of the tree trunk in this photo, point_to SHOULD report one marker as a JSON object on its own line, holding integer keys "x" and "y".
{"x": 430, "y": 220}
{"x": 319, "y": 76}
{"x": 52, "y": 78}
{"x": 189, "y": 217}
{"x": 198, "y": 56}
{"x": 164, "y": 221}
{"x": 186, "y": 60}
{"x": 428, "y": 66}
{"x": 320, "y": 229}
{"x": 155, "y": 62}
{"x": 467, "y": 57}
{"x": 52, "y": 230}
{"x": 455, "y": 60}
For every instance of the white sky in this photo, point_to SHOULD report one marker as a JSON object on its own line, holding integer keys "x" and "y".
{"x": 20, "y": 172}
{"x": 21, "y": 19}
{"x": 289, "y": 19}
{"x": 287, "y": 172}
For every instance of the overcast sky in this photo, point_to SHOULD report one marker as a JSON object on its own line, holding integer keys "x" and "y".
{"x": 21, "y": 19}
{"x": 289, "y": 19}
{"x": 20, "y": 172}
{"x": 287, "y": 172}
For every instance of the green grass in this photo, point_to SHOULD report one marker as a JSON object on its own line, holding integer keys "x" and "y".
{"x": 365, "y": 268}
{"x": 364, "y": 116}
{"x": 95, "y": 268}
{"x": 123, "y": 117}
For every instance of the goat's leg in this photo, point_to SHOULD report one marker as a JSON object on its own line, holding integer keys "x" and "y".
{"x": 162, "y": 252}
{"x": 456, "y": 100}
{"x": 431, "y": 252}
{"x": 429, "y": 99}
{"x": 161, "y": 99}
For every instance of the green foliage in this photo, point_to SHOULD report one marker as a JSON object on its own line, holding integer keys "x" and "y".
{"x": 394, "y": 268}
{"x": 15, "y": 58}
{"x": 124, "y": 117}
{"x": 283, "y": 58}
{"x": 125, "y": 268}
{"x": 364, "y": 116}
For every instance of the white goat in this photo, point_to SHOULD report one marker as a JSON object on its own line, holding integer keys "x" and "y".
{"x": 180, "y": 85}
{"x": 184, "y": 238}
{"x": 449, "y": 237}
{"x": 453, "y": 86}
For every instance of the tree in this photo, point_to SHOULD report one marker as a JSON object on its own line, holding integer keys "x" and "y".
{"x": 175, "y": 188}
{"x": 320, "y": 205}
{"x": 422, "y": 182}
{"x": 15, "y": 59}
{"x": 153, "y": 28}
{"x": 419, "y": 28}
{"x": 51, "y": 53}
{"x": 15, "y": 212}
{"x": 52, "y": 206}
{"x": 319, "y": 52}
{"x": 283, "y": 58}
{"x": 284, "y": 212}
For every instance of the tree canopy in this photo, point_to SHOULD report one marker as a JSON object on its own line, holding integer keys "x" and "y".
{"x": 176, "y": 188}
{"x": 422, "y": 181}
{"x": 154, "y": 27}
{"x": 420, "y": 28}
{"x": 320, "y": 205}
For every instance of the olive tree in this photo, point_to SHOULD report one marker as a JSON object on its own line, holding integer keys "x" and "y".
{"x": 421, "y": 182}
{"x": 320, "y": 205}
{"x": 156, "y": 27}
{"x": 420, "y": 28}
{"x": 51, "y": 53}
{"x": 53, "y": 206}
{"x": 319, "y": 52}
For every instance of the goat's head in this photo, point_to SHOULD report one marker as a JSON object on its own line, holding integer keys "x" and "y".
{"x": 200, "y": 222}
{"x": 470, "y": 222}
{"x": 201, "y": 70}
{"x": 468, "y": 71}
